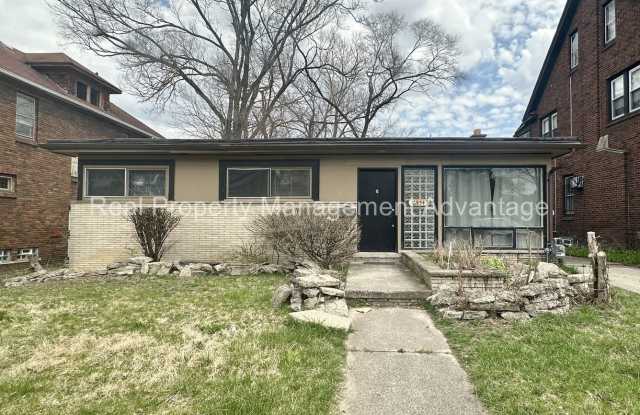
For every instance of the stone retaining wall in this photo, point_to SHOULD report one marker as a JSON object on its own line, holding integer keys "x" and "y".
{"x": 100, "y": 234}
{"x": 436, "y": 277}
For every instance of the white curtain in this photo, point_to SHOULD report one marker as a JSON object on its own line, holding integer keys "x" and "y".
{"x": 468, "y": 192}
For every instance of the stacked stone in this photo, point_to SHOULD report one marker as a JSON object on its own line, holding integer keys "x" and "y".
{"x": 313, "y": 288}
{"x": 550, "y": 291}
{"x": 145, "y": 266}
{"x": 44, "y": 276}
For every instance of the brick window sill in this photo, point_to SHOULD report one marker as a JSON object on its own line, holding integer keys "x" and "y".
{"x": 568, "y": 218}
{"x": 623, "y": 119}
{"x": 28, "y": 141}
{"x": 8, "y": 195}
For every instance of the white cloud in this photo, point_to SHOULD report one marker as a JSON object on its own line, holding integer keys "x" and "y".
{"x": 503, "y": 45}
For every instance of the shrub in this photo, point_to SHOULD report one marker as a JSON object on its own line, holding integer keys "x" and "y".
{"x": 329, "y": 240}
{"x": 153, "y": 226}
{"x": 495, "y": 263}
{"x": 465, "y": 255}
{"x": 578, "y": 251}
{"x": 251, "y": 253}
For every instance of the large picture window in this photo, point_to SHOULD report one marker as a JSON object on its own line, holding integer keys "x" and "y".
{"x": 499, "y": 207}
{"x": 260, "y": 182}
{"x": 126, "y": 181}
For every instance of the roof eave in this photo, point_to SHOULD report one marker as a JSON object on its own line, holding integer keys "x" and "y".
{"x": 550, "y": 149}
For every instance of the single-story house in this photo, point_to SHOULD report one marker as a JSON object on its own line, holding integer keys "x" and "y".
{"x": 411, "y": 193}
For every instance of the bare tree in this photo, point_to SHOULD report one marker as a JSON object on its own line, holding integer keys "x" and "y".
{"x": 387, "y": 61}
{"x": 224, "y": 64}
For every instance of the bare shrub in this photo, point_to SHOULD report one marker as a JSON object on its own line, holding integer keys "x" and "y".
{"x": 439, "y": 255}
{"x": 251, "y": 253}
{"x": 329, "y": 240}
{"x": 466, "y": 255}
{"x": 153, "y": 226}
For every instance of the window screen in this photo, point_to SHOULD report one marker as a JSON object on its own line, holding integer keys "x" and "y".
{"x": 288, "y": 182}
{"x": 105, "y": 182}
{"x": 248, "y": 182}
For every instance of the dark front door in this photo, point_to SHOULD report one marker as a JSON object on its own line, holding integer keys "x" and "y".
{"x": 377, "y": 209}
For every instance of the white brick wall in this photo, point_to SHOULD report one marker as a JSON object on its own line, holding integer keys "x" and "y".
{"x": 101, "y": 234}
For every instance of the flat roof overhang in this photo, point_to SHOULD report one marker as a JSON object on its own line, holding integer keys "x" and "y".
{"x": 552, "y": 148}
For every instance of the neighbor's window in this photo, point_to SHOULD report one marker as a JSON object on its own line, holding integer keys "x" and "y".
{"x": 269, "y": 182}
{"x": 95, "y": 97}
{"x": 575, "y": 47}
{"x": 6, "y": 184}
{"x": 609, "y": 21}
{"x": 495, "y": 207}
{"x": 74, "y": 167}
{"x": 568, "y": 196}
{"x": 634, "y": 89}
{"x": 550, "y": 125}
{"x": 27, "y": 253}
{"x": 5, "y": 255}
{"x": 126, "y": 182}
{"x": 25, "y": 116}
{"x": 617, "y": 97}
{"x": 81, "y": 90}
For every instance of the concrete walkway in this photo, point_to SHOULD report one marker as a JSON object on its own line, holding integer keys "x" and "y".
{"x": 399, "y": 363}
{"x": 627, "y": 278}
{"x": 384, "y": 281}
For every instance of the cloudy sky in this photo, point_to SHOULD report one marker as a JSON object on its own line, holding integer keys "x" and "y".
{"x": 503, "y": 45}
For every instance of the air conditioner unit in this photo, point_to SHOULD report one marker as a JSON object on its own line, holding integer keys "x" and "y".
{"x": 577, "y": 183}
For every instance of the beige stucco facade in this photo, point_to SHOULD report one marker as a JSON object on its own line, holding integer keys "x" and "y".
{"x": 197, "y": 176}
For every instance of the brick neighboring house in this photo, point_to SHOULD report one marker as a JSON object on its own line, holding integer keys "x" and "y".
{"x": 46, "y": 96}
{"x": 589, "y": 87}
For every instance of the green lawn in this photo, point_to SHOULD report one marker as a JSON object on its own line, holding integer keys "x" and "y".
{"x": 162, "y": 346}
{"x": 587, "y": 362}
{"x": 621, "y": 256}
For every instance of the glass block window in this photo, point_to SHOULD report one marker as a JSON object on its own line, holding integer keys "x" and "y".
{"x": 419, "y": 213}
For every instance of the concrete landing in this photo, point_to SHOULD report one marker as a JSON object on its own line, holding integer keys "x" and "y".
{"x": 379, "y": 282}
{"x": 399, "y": 363}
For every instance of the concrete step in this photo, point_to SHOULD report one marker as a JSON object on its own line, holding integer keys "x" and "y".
{"x": 376, "y": 258}
{"x": 384, "y": 285}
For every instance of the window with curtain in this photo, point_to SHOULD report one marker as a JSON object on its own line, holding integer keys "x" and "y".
{"x": 498, "y": 207}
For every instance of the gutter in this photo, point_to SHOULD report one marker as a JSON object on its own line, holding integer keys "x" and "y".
{"x": 65, "y": 98}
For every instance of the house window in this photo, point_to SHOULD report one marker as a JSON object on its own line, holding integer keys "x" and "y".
{"x": 95, "y": 97}
{"x": 495, "y": 207}
{"x": 126, "y": 182}
{"x": 617, "y": 98}
{"x": 634, "y": 89}
{"x": 257, "y": 182}
{"x": 25, "y": 116}
{"x": 609, "y": 21}
{"x": 575, "y": 47}
{"x": 81, "y": 90}
{"x": 568, "y": 195}
{"x": 6, "y": 184}
{"x": 550, "y": 125}
{"x": 27, "y": 253}
{"x": 5, "y": 255}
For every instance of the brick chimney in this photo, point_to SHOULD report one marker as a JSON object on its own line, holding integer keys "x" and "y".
{"x": 477, "y": 133}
